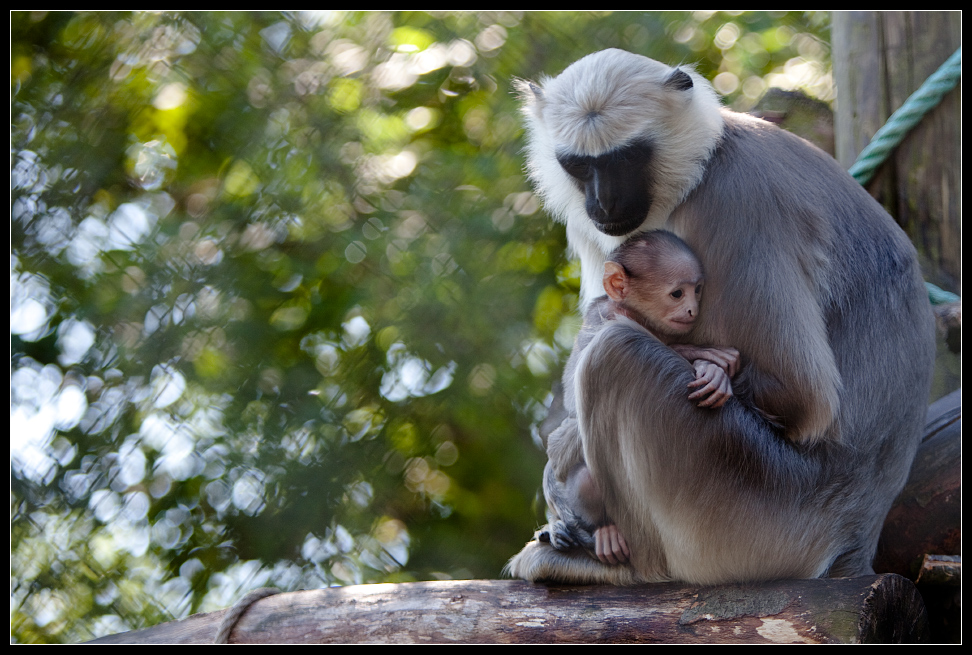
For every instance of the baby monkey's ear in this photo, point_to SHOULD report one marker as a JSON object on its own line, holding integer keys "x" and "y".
{"x": 615, "y": 281}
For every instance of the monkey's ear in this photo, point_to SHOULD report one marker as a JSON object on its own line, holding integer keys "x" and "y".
{"x": 615, "y": 281}
{"x": 528, "y": 92}
{"x": 679, "y": 80}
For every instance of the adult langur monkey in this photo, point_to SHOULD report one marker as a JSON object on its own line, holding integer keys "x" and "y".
{"x": 806, "y": 276}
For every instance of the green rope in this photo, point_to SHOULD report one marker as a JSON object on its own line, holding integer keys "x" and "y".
{"x": 898, "y": 125}
{"x": 914, "y": 108}
{"x": 940, "y": 296}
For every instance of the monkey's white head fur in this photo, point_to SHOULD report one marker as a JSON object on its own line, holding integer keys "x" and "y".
{"x": 605, "y": 101}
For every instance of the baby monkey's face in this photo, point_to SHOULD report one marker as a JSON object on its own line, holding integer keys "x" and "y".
{"x": 662, "y": 293}
{"x": 670, "y": 302}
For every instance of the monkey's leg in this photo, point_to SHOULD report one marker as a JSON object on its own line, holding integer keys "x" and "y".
{"x": 564, "y": 550}
{"x": 570, "y": 526}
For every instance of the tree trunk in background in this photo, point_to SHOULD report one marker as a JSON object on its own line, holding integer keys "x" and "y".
{"x": 879, "y": 59}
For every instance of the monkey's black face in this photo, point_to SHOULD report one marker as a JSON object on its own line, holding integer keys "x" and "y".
{"x": 616, "y": 185}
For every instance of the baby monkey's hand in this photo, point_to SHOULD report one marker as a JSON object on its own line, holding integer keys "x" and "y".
{"x": 711, "y": 384}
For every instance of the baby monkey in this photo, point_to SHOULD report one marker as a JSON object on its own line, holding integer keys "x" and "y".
{"x": 655, "y": 280}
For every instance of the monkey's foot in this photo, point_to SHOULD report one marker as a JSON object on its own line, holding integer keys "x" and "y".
{"x": 564, "y": 537}
{"x": 541, "y": 562}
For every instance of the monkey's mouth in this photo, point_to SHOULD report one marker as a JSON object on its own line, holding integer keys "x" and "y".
{"x": 618, "y": 228}
{"x": 622, "y": 219}
{"x": 682, "y": 326}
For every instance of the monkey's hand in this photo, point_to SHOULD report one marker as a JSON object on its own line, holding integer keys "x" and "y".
{"x": 711, "y": 384}
{"x": 610, "y": 546}
{"x": 727, "y": 358}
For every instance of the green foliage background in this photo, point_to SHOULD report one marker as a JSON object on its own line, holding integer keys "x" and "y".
{"x": 284, "y": 309}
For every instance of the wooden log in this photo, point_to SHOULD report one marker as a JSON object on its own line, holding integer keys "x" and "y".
{"x": 941, "y": 570}
{"x": 926, "y": 518}
{"x": 940, "y": 585}
{"x": 869, "y": 609}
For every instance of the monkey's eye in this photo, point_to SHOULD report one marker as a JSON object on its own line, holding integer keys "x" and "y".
{"x": 577, "y": 167}
{"x": 698, "y": 289}
{"x": 579, "y": 170}
{"x": 676, "y": 294}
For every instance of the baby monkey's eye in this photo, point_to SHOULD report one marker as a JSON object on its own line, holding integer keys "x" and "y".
{"x": 698, "y": 289}
{"x": 676, "y": 294}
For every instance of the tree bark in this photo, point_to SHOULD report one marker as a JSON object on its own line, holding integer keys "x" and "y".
{"x": 869, "y": 609}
